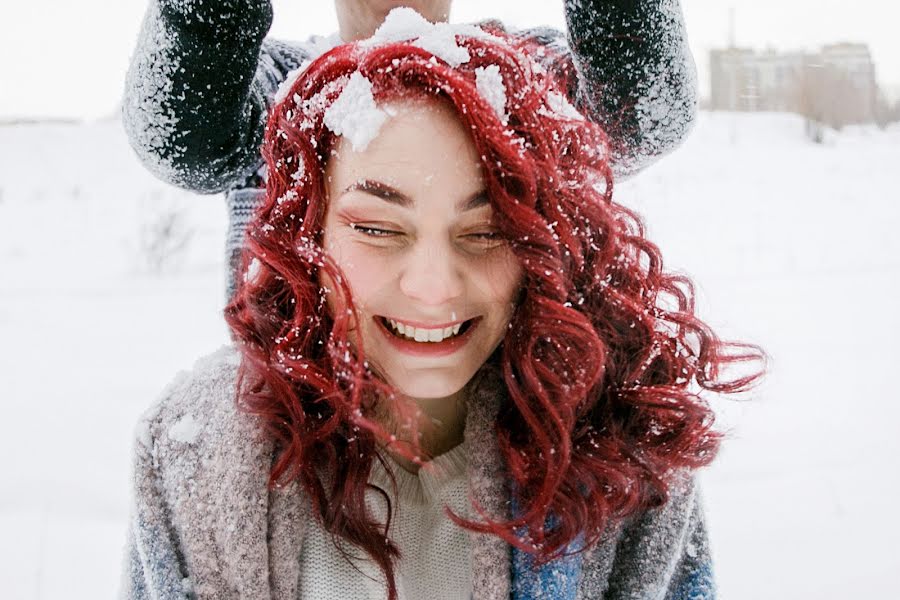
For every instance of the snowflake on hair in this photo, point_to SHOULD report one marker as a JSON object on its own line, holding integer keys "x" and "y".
{"x": 354, "y": 114}
{"x": 285, "y": 87}
{"x": 559, "y": 106}
{"x": 490, "y": 85}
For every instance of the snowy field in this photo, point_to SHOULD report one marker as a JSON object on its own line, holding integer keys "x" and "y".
{"x": 793, "y": 246}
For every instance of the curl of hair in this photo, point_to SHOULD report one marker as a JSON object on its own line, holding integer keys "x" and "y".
{"x": 584, "y": 441}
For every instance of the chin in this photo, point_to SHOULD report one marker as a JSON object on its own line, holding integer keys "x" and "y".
{"x": 428, "y": 388}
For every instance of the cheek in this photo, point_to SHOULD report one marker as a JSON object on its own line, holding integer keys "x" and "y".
{"x": 502, "y": 281}
{"x": 364, "y": 273}
{"x": 503, "y": 277}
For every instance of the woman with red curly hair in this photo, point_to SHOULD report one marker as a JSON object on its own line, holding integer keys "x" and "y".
{"x": 459, "y": 369}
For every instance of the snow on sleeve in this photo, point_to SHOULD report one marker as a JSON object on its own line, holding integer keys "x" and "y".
{"x": 149, "y": 118}
{"x": 354, "y": 114}
{"x": 490, "y": 85}
{"x": 185, "y": 430}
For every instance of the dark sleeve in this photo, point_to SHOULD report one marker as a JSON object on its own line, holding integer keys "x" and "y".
{"x": 635, "y": 75}
{"x": 198, "y": 88}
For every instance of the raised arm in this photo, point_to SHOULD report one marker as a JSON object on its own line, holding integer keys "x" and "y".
{"x": 635, "y": 75}
{"x": 198, "y": 87}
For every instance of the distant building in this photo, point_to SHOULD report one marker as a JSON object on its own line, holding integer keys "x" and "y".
{"x": 745, "y": 80}
{"x": 851, "y": 65}
{"x": 835, "y": 85}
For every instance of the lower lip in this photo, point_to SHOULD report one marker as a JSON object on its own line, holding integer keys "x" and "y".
{"x": 442, "y": 348}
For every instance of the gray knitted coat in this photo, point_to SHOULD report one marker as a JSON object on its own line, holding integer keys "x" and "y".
{"x": 205, "y": 525}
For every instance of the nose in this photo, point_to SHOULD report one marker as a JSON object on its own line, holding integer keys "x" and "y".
{"x": 431, "y": 275}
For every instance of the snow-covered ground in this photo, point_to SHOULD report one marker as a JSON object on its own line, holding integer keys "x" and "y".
{"x": 792, "y": 245}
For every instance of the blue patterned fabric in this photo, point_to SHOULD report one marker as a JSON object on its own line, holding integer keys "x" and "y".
{"x": 698, "y": 584}
{"x": 557, "y": 579}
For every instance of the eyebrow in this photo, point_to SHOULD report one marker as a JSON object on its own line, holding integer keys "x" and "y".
{"x": 385, "y": 192}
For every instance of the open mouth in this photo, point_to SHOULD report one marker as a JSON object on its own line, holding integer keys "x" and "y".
{"x": 433, "y": 336}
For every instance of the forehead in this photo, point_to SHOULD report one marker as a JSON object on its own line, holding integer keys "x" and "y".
{"x": 423, "y": 144}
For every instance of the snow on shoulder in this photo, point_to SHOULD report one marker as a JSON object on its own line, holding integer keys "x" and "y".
{"x": 177, "y": 400}
{"x": 185, "y": 430}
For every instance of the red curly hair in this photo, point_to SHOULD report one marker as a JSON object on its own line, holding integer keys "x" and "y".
{"x": 604, "y": 361}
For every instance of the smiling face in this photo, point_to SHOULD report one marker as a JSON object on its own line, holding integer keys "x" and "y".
{"x": 409, "y": 224}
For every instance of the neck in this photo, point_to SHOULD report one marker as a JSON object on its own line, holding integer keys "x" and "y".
{"x": 440, "y": 425}
{"x": 359, "y": 20}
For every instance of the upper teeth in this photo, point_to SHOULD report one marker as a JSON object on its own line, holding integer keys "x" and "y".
{"x": 425, "y": 335}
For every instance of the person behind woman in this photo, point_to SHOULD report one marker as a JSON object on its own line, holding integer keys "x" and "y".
{"x": 204, "y": 74}
{"x": 458, "y": 367}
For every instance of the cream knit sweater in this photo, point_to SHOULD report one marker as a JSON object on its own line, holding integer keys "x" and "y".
{"x": 435, "y": 559}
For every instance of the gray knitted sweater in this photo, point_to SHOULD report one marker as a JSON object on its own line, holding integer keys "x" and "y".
{"x": 205, "y": 525}
{"x": 203, "y": 76}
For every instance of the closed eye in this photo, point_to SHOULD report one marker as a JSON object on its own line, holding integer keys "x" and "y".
{"x": 383, "y": 233}
{"x": 490, "y": 235}
{"x": 373, "y": 231}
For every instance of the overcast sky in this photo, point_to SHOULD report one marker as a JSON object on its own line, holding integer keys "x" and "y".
{"x": 67, "y": 58}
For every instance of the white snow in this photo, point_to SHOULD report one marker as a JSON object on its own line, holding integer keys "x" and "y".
{"x": 690, "y": 549}
{"x": 792, "y": 245}
{"x": 490, "y": 85}
{"x": 297, "y": 175}
{"x": 354, "y": 115}
{"x": 317, "y": 102}
{"x": 402, "y": 23}
{"x": 253, "y": 269}
{"x": 314, "y": 47}
{"x": 405, "y": 23}
{"x": 442, "y": 43}
{"x": 142, "y": 433}
{"x": 284, "y": 88}
{"x": 560, "y": 107}
{"x": 287, "y": 196}
{"x": 185, "y": 430}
